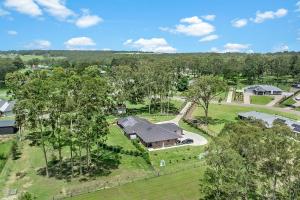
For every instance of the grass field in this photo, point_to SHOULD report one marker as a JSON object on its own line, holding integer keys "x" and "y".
{"x": 130, "y": 168}
{"x": 181, "y": 185}
{"x": 5, "y": 149}
{"x": 26, "y": 58}
{"x": 261, "y": 100}
{"x": 221, "y": 114}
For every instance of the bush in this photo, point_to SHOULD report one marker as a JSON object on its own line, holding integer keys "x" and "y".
{"x": 26, "y": 196}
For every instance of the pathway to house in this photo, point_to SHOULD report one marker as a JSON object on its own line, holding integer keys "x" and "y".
{"x": 247, "y": 99}
{"x": 229, "y": 96}
{"x": 276, "y": 99}
{"x": 198, "y": 139}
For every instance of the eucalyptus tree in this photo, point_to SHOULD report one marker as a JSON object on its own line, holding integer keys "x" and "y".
{"x": 204, "y": 90}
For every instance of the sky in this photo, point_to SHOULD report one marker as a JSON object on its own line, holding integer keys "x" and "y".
{"x": 163, "y": 26}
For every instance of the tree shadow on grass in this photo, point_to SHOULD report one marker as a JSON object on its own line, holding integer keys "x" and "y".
{"x": 155, "y": 109}
{"x": 102, "y": 164}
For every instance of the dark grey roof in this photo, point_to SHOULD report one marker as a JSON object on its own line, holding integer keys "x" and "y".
{"x": 147, "y": 131}
{"x": 263, "y": 88}
{"x": 6, "y": 123}
{"x": 296, "y": 128}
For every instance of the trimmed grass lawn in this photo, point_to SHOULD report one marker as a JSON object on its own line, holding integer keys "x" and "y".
{"x": 221, "y": 114}
{"x": 181, "y": 185}
{"x": 5, "y": 149}
{"x": 261, "y": 100}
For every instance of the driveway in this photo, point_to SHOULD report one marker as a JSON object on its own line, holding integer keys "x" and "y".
{"x": 247, "y": 98}
{"x": 229, "y": 97}
{"x": 276, "y": 99}
{"x": 198, "y": 139}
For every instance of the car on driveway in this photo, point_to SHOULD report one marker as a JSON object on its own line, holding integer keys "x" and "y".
{"x": 187, "y": 141}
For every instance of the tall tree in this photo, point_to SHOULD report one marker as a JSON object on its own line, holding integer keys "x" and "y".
{"x": 204, "y": 90}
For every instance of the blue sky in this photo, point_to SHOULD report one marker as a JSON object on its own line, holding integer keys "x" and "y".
{"x": 151, "y": 25}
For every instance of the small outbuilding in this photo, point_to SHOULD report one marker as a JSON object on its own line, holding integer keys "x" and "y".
{"x": 8, "y": 127}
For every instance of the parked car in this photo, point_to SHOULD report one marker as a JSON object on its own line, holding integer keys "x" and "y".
{"x": 187, "y": 141}
{"x": 297, "y": 98}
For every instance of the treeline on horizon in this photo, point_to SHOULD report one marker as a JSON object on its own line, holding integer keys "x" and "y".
{"x": 230, "y": 66}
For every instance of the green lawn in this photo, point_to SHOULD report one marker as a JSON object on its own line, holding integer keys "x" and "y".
{"x": 182, "y": 185}
{"x": 131, "y": 168}
{"x": 5, "y": 150}
{"x": 261, "y": 100}
{"x": 220, "y": 114}
{"x": 289, "y": 102}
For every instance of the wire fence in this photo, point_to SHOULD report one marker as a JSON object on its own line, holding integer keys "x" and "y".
{"x": 103, "y": 185}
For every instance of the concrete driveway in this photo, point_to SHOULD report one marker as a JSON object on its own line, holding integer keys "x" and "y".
{"x": 198, "y": 139}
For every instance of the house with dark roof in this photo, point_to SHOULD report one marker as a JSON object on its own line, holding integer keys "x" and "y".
{"x": 7, "y": 127}
{"x": 269, "y": 119}
{"x": 263, "y": 90}
{"x": 151, "y": 135}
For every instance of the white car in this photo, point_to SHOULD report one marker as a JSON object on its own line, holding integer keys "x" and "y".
{"x": 297, "y": 98}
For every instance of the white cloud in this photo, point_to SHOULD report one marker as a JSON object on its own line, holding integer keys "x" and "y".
{"x": 267, "y": 15}
{"x": 233, "y": 48}
{"x": 88, "y": 20}
{"x": 238, "y": 23}
{"x": 35, "y": 8}
{"x": 4, "y": 12}
{"x": 281, "y": 48}
{"x": 79, "y": 43}
{"x": 298, "y": 6}
{"x": 28, "y": 7}
{"x": 56, "y": 8}
{"x": 209, "y": 38}
{"x": 12, "y": 32}
{"x": 191, "y": 26}
{"x": 127, "y": 42}
{"x": 157, "y": 45}
{"x": 209, "y": 17}
{"x": 39, "y": 44}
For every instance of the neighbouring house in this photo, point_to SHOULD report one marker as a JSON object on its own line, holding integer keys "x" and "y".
{"x": 6, "y": 107}
{"x": 269, "y": 119}
{"x": 151, "y": 135}
{"x": 8, "y": 127}
{"x": 263, "y": 90}
{"x": 296, "y": 85}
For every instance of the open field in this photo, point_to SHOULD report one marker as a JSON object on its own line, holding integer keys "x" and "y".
{"x": 31, "y": 161}
{"x": 26, "y": 58}
{"x": 261, "y": 100}
{"x": 181, "y": 185}
{"x": 5, "y": 149}
{"x": 221, "y": 114}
